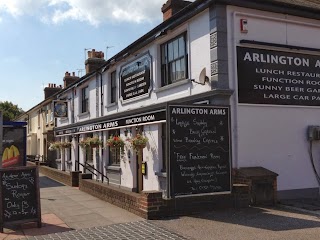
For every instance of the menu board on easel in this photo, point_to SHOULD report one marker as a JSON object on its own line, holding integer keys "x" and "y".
{"x": 20, "y": 196}
{"x": 199, "y": 150}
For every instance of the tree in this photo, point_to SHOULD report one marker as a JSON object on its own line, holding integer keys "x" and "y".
{"x": 10, "y": 111}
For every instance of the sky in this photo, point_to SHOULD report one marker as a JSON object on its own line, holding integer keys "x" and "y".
{"x": 40, "y": 40}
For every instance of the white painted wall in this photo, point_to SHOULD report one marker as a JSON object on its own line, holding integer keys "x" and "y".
{"x": 198, "y": 47}
{"x": 273, "y": 137}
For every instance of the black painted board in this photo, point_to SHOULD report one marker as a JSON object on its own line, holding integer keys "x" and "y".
{"x": 199, "y": 150}
{"x": 20, "y": 195}
{"x": 278, "y": 77}
{"x": 135, "y": 78}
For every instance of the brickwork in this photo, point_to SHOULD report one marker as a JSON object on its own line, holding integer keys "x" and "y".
{"x": 150, "y": 204}
{"x": 258, "y": 175}
{"x": 57, "y": 175}
{"x": 241, "y": 195}
{"x": 121, "y": 198}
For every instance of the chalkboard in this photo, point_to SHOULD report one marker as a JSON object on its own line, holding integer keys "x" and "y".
{"x": 199, "y": 150}
{"x": 20, "y": 195}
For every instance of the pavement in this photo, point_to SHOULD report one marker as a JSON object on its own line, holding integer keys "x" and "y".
{"x": 68, "y": 213}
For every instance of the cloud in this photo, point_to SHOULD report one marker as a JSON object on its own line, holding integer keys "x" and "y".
{"x": 17, "y": 7}
{"x": 93, "y": 12}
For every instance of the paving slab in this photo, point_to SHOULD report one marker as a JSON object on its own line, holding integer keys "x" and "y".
{"x": 66, "y": 208}
{"x": 125, "y": 231}
{"x": 246, "y": 224}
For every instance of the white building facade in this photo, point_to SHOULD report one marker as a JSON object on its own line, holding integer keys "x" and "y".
{"x": 258, "y": 62}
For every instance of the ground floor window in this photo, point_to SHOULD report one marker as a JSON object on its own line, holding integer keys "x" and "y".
{"x": 88, "y": 151}
{"x": 114, "y": 154}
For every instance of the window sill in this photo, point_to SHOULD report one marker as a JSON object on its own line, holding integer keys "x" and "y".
{"x": 84, "y": 114}
{"x": 116, "y": 169}
{"x": 111, "y": 105}
{"x": 64, "y": 120}
{"x": 161, "y": 174}
{"x": 173, "y": 85}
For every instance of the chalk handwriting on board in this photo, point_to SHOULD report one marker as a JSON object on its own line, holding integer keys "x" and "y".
{"x": 199, "y": 149}
{"x": 20, "y": 195}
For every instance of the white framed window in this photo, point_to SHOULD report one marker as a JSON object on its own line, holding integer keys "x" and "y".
{"x": 174, "y": 60}
{"x": 85, "y": 99}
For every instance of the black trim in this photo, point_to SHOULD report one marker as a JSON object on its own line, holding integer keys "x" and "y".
{"x": 296, "y": 8}
{"x": 151, "y": 108}
{"x": 278, "y": 45}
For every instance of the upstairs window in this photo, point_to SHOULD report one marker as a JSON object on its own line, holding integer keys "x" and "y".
{"x": 84, "y": 100}
{"x": 39, "y": 116}
{"x": 113, "y": 90}
{"x": 174, "y": 60}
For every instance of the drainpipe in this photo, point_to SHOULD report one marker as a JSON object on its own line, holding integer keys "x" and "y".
{"x": 101, "y": 94}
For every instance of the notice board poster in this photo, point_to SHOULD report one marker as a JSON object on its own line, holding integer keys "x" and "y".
{"x": 14, "y": 146}
{"x": 20, "y": 195}
{"x": 199, "y": 150}
{"x": 277, "y": 77}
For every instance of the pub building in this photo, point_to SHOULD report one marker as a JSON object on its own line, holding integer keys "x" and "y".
{"x": 219, "y": 88}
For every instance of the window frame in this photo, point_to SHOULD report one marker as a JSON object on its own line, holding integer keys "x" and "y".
{"x": 114, "y": 154}
{"x": 113, "y": 87}
{"x": 166, "y": 64}
{"x": 84, "y": 99}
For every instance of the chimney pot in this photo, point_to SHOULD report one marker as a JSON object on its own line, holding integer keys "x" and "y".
{"x": 171, "y": 7}
{"x": 94, "y": 61}
{"x": 66, "y": 74}
{"x": 73, "y": 74}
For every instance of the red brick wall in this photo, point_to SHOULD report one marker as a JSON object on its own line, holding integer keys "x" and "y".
{"x": 150, "y": 204}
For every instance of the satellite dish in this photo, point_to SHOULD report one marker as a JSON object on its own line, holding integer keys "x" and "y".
{"x": 203, "y": 78}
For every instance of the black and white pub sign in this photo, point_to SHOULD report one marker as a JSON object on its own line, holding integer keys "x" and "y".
{"x": 278, "y": 77}
{"x": 135, "y": 78}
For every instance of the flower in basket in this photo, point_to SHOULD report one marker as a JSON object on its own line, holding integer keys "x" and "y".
{"x": 139, "y": 142}
{"x": 90, "y": 142}
{"x": 115, "y": 142}
{"x": 66, "y": 144}
{"x": 55, "y": 146}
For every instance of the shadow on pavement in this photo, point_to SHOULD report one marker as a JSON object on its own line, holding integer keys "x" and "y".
{"x": 260, "y": 218}
{"x": 46, "y": 182}
{"x": 310, "y": 204}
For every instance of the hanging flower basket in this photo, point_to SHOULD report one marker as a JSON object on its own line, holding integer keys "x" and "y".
{"x": 138, "y": 142}
{"x": 66, "y": 144}
{"x": 115, "y": 142}
{"x": 92, "y": 142}
{"x": 55, "y": 146}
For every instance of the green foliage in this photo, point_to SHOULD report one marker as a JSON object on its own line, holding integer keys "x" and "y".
{"x": 10, "y": 111}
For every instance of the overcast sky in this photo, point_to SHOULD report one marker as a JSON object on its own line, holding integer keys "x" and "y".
{"x": 42, "y": 39}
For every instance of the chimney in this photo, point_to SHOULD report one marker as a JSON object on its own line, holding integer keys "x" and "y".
{"x": 51, "y": 90}
{"x": 94, "y": 61}
{"x": 171, "y": 7}
{"x": 68, "y": 79}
